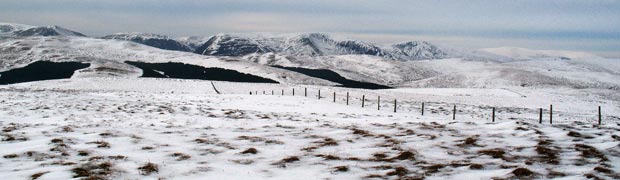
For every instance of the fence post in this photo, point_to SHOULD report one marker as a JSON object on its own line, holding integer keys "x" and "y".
{"x": 454, "y": 113}
{"x": 282, "y": 92}
{"x": 551, "y": 114}
{"x": 319, "y": 94}
{"x": 493, "y": 115}
{"x": 363, "y": 99}
{"x": 347, "y": 98}
{"x": 378, "y": 102}
{"x": 293, "y": 91}
{"x": 422, "y": 108}
{"x": 600, "y": 119}
{"x": 394, "y": 105}
{"x": 334, "y": 96}
{"x": 540, "y": 116}
{"x": 250, "y": 92}
{"x": 263, "y": 92}
{"x": 306, "y": 92}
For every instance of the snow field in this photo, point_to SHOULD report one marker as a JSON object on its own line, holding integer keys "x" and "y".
{"x": 111, "y": 128}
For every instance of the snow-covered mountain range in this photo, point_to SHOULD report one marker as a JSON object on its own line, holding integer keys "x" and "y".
{"x": 409, "y": 64}
{"x": 315, "y": 44}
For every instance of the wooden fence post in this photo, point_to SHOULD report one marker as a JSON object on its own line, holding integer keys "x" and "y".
{"x": 347, "y": 98}
{"x": 263, "y": 92}
{"x": 306, "y": 92}
{"x": 378, "y": 102}
{"x": 394, "y": 105}
{"x": 272, "y": 93}
{"x": 282, "y": 92}
{"x": 493, "y": 115}
{"x": 454, "y": 113}
{"x": 540, "y": 116}
{"x": 319, "y": 94}
{"x": 363, "y": 99}
{"x": 422, "y": 108}
{"x": 293, "y": 91}
{"x": 600, "y": 119}
{"x": 334, "y": 96}
{"x": 551, "y": 114}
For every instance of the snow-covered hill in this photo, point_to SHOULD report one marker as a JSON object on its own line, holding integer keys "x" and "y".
{"x": 20, "y": 30}
{"x": 313, "y": 45}
{"x": 154, "y": 40}
{"x": 523, "y": 53}
{"x": 9, "y": 29}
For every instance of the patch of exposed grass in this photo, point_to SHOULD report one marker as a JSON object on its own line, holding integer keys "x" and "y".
{"x": 495, "y": 153}
{"x": 405, "y": 155}
{"x": 10, "y": 156}
{"x": 283, "y": 162}
{"x": 38, "y": 175}
{"x": 476, "y": 166}
{"x": 361, "y": 132}
{"x": 83, "y": 153}
{"x": 328, "y": 157}
{"x": 92, "y": 170}
{"x": 148, "y": 168}
{"x": 341, "y": 168}
{"x": 523, "y": 173}
{"x": 590, "y": 152}
{"x": 181, "y": 156}
{"x": 117, "y": 157}
{"x": 398, "y": 171}
{"x": 250, "y": 151}
{"x": 100, "y": 144}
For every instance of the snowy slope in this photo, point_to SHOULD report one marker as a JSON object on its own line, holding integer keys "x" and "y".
{"x": 193, "y": 42}
{"x": 523, "y": 53}
{"x": 154, "y": 40}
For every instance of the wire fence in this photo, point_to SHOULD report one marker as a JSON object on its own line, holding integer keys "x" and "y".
{"x": 449, "y": 111}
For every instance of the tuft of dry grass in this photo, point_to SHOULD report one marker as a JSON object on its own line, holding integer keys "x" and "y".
{"x": 328, "y": 157}
{"x": 38, "y": 175}
{"x": 148, "y": 168}
{"x": 405, "y": 155}
{"x": 250, "y": 151}
{"x": 10, "y": 156}
{"x": 341, "y": 168}
{"x": 590, "y": 152}
{"x": 283, "y": 162}
{"x": 100, "y": 144}
{"x": 83, "y": 153}
{"x": 495, "y": 153}
{"x": 476, "y": 166}
{"x": 398, "y": 171}
{"x": 522, "y": 172}
{"x": 92, "y": 170}
{"x": 181, "y": 156}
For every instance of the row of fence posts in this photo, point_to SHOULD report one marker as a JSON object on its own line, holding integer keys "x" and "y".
{"x": 540, "y": 115}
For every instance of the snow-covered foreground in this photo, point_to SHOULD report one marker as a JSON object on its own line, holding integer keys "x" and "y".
{"x": 181, "y": 129}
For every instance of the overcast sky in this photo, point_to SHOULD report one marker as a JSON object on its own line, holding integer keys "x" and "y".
{"x": 583, "y": 25}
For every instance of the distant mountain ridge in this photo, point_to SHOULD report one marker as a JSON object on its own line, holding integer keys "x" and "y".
{"x": 315, "y": 44}
{"x": 154, "y": 40}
